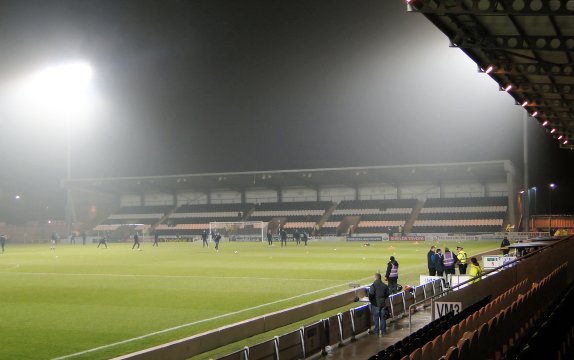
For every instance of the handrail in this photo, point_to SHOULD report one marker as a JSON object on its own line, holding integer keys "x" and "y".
{"x": 445, "y": 292}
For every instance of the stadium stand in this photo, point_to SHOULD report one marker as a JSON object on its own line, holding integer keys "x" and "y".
{"x": 369, "y": 216}
{"x": 302, "y": 215}
{"x": 462, "y": 215}
{"x": 148, "y": 215}
{"x": 194, "y": 219}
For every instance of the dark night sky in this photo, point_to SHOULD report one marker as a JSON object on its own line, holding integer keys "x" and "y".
{"x": 211, "y": 85}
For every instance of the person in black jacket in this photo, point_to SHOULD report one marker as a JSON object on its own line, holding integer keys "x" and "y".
{"x": 305, "y": 237}
{"x": 297, "y": 237}
{"x": 269, "y": 237}
{"x": 283, "y": 235}
{"x": 430, "y": 261}
{"x": 505, "y": 244}
{"x": 378, "y": 292}
{"x": 2, "y": 241}
{"x": 216, "y": 240}
{"x": 136, "y": 241}
{"x": 439, "y": 262}
{"x": 204, "y": 239}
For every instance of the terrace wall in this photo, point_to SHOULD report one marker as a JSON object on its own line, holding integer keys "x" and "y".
{"x": 200, "y": 343}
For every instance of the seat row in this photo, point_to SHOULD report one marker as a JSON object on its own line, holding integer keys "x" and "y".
{"x": 466, "y": 201}
{"x": 377, "y": 204}
{"x": 456, "y": 216}
{"x": 372, "y": 211}
{"x": 554, "y": 337}
{"x": 465, "y": 222}
{"x": 463, "y": 209}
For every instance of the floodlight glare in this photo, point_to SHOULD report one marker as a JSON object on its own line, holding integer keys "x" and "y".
{"x": 489, "y": 70}
{"x": 565, "y": 142}
{"x": 552, "y": 131}
{"x": 545, "y": 123}
{"x": 524, "y": 104}
{"x": 560, "y": 137}
{"x": 60, "y": 90}
{"x": 553, "y": 186}
{"x": 508, "y": 88}
{"x": 534, "y": 113}
{"x": 65, "y": 77}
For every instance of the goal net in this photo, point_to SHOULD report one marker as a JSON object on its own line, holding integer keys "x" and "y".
{"x": 240, "y": 230}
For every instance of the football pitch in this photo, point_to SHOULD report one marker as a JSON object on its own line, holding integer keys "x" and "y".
{"x": 80, "y": 302}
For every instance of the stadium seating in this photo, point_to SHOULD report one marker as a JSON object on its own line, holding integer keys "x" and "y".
{"x": 192, "y": 220}
{"x": 147, "y": 215}
{"x": 463, "y": 215}
{"x": 292, "y": 215}
{"x": 374, "y": 216}
{"x": 521, "y": 323}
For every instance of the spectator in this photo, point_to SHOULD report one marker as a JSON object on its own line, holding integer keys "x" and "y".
{"x": 504, "y": 245}
{"x": 378, "y": 293}
{"x": 430, "y": 261}
{"x": 439, "y": 262}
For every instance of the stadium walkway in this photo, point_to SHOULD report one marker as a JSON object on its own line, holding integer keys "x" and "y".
{"x": 368, "y": 345}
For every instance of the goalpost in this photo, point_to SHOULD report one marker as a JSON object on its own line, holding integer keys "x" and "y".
{"x": 240, "y": 230}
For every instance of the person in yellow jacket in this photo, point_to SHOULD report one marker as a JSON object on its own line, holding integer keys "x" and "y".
{"x": 461, "y": 259}
{"x": 475, "y": 271}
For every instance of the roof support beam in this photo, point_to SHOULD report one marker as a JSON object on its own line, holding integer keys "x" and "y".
{"x": 533, "y": 69}
{"x": 490, "y": 7}
{"x": 513, "y": 42}
{"x": 541, "y": 88}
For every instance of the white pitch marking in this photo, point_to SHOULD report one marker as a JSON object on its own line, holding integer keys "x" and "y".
{"x": 196, "y": 322}
{"x": 160, "y": 276}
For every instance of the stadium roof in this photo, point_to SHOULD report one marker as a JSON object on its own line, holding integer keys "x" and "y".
{"x": 311, "y": 178}
{"x": 526, "y": 46}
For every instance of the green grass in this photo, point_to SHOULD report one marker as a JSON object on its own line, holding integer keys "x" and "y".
{"x": 76, "y": 298}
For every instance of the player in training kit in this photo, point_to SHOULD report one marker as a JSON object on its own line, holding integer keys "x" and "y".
{"x": 297, "y": 236}
{"x": 103, "y": 241}
{"x": 155, "y": 240}
{"x": 216, "y": 239}
{"x": 2, "y": 241}
{"x": 283, "y": 235}
{"x": 136, "y": 241}
{"x": 53, "y": 241}
{"x": 305, "y": 237}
